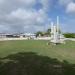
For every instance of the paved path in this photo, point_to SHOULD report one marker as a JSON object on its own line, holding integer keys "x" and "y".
{"x": 72, "y": 39}
{"x": 39, "y": 38}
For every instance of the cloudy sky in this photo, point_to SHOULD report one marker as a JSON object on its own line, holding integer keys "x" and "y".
{"x": 36, "y": 15}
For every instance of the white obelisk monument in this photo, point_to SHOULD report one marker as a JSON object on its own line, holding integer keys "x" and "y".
{"x": 56, "y": 36}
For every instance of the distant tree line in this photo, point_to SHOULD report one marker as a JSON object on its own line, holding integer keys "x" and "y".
{"x": 69, "y": 35}
{"x": 41, "y": 33}
{"x": 48, "y": 33}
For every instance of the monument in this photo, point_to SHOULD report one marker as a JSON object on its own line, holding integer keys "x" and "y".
{"x": 56, "y": 34}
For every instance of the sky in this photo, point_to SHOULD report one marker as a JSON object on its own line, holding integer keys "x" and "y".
{"x": 24, "y": 16}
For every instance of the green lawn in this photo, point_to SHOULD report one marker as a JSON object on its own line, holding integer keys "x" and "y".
{"x": 61, "y": 52}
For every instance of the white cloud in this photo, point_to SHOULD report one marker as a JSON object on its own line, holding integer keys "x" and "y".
{"x": 64, "y": 2}
{"x": 4, "y": 29}
{"x": 68, "y": 5}
{"x": 28, "y": 17}
{"x": 46, "y": 4}
{"x": 16, "y": 14}
{"x": 70, "y": 8}
{"x": 28, "y": 2}
{"x": 19, "y": 19}
{"x": 1, "y": 1}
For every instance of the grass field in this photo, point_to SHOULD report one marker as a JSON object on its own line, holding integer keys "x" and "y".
{"x": 61, "y": 52}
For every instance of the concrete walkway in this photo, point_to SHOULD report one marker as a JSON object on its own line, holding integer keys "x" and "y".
{"x": 38, "y": 38}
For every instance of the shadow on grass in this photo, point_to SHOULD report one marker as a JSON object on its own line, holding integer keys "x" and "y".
{"x": 30, "y": 63}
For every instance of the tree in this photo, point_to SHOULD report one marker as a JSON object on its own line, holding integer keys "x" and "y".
{"x": 69, "y": 35}
{"x": 39, "y": 33}
{"x": 48, "y": 32}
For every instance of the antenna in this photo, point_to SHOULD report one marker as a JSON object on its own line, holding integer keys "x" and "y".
{"x": 57, "y": 20}
{"x": 51, "y": 23}
{"x": 57, "y": 23}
